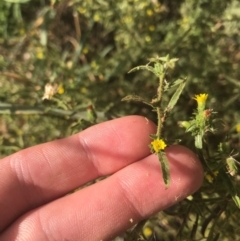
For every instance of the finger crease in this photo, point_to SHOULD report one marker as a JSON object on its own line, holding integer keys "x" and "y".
{"x": 89, "y": 155}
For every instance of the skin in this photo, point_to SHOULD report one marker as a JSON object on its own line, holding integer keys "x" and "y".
{"x": 34, "y": 183}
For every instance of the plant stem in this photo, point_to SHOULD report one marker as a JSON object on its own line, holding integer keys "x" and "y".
{"x": 159, "y": 99}
{"x": 9, "y": 109}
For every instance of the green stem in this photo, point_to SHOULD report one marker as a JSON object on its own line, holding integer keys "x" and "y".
{"x": 159, "y": 99}
{"x": 159, "y": 126}
{"x": 10, "y": 109}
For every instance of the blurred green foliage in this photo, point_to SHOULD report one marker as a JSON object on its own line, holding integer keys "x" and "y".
{"x": 84, "y": 50}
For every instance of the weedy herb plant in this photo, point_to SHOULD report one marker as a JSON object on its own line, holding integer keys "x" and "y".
{"x": 219, "y": 164}
{"x": 161, "y": 67}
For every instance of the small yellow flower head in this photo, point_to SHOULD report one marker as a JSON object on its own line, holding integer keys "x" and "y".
{"x": 85, "y": 50}
{"x": 148, "y": 38}
{"x": 147, "y": 232}
{"x": 238, "y": 127}
{"x": 60, "y": 89}
{"x": 158, "y": 145}
{"x": 82, "y": 10}
{"x": 201, "y": 98}
{"x": 96, "y": 18}
{"x": 209, "y": 178}
{"x": 201, "y": 101}
{"x": 39, "y": 53}
{"x": 151, "y": 28}
{"x": 149, "y": 12}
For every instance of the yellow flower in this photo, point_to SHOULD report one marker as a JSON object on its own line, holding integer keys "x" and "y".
{"x": 148, "y": 39}
{"x": 151, "y": 28}
{"x": 201, "y": 98}
{"x": 238, "y": 127}
{"x": 83, "y": 90}
{"x": 149, "y": 12}
{"x": 148, "y": 232}
{"x": 210, "y": 178}
{"x": 85, "y": 50}
{"x": 96, "y": 18}
{"x": 82, "y": 10}
{"x": 60, "y": 89}
{"x": 22, "y": 31}
{"x": 158, "y": 145}
{"x": 39, "y": 53}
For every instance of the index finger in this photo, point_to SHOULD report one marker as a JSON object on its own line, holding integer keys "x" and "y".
{"x": 40, "y": 174}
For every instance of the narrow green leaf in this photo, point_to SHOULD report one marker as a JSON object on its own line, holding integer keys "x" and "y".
{"x": 143, "y": 67}
{"x": 165, "y": 168}
{"x": 232, "y": 80}
{"x": 154, "y": 60}
{"x": 231, "y": 166}
{"x": 198, "y": 141}
{"x": 171, "y": 63}
{"x": 230, "y": 187}
{"x": 176, "y": 96}
{"x": 136, "y": 98}
{"x": 17, "y": 1}
{"x": 236, "y": 199}
{"x": 194, "y": 228}
{"x": 173, "y": 60}
{"x": 214, "y": 217}
{"x": 153, "y": 136}
{"x": 178, "y": 82}
{"x": 192, "y": 126}
{"x": 164, "y": 59}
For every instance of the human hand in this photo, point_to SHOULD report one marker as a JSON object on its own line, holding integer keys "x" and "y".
{"x": 34, "y": 183}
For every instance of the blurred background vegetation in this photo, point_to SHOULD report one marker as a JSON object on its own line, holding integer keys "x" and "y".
{"x": 60, "y": 60}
